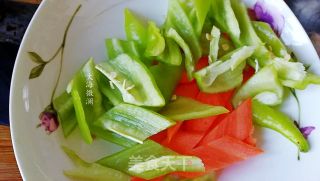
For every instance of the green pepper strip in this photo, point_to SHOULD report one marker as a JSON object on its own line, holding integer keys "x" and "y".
{"x": 134, "y": 80}
{"x": 301, "y": 85}
{"x": 186, "y": 109}
{"x": 155, "y": 41}
{"x": 171, "y": 54}
{"x": 178, "y": 19}
{"x": 270, "y": 118}
{"x": 167, "y": 77}
{"x": 294, "y": 71}
{"x": 113, "y": 94}
{"x": 267, "y": 35}
{"x": 133, "y": 122}
{"x": 116, "y": 47}
{"x": 201, "y": 8}
{"x": 225, "y": 46}
{"x": 135, "y": 29}
{"x": 81, "y": 117}
{"x": 111, "y": 137}
{"x": 214, "y": 44}
{"x": 189, "y": 61}
{"x": 204, "y": 41}
{"x": 124, "y": 159}
{"x": 87, "y": 98}
{"x": 225, "y": 19}
{"x": 264, "y": 86}
{"x": 92, "y": 171}
{"x": 232, "y": 63}
{"x": 196, "y": 11}
{"x": 66, "y": 116}
{"x": 248, "y": 36}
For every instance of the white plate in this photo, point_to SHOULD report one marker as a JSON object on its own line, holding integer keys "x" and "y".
{"x": 39, "y": 155}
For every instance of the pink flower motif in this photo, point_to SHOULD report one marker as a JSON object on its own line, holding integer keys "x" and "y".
{"x": 48, "y": 120}
{"x": 306, "y": 131}
{"x": 270, "y": 15}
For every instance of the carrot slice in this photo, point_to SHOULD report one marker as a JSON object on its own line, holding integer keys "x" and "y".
{"x": 184, "y": 78}
{"x": 223, "y": 152}
{"x": 159, "y": 137}
{"x": 213, "y": 158}
{"x": 199, "y": 125}
{"x": 219, "y": 99}
{"x": 235, "y": 147}
{"x": 183, "y": 141}
{"x": 172, "y": 131}
{"x": 202, "y": 62}
{"x": 190, "y": 90}
{"x": 203, "y": 124}
{"x": 248, "y": 72}
{"x": 251, "y": 140}
{"x": 237, "y": 124}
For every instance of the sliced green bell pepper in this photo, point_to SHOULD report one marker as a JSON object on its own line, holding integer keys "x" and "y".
{"x": 301, "y": 85}
{"x": 270, "y": 118}
{"x": 177, "y": 18}
{"x": 268, "y": 36}
{"x": 228, "y": 80}
{"x": 189, "y": 60}
{"x": 155, "y": 44}
{"x": 248, "y": 35}
{"x": 264, "y": 87}
{"x": 294, "y": 71}
{"x": 134, "y": 81}
{"x": 133, "y": 122}
{"x": 204, "y": 41}
{"x": 225, "y": 19}
{"x": 65, "y": 110}
{"x": 126, "y": 158}
{"x": 112, "y": 93}
{"x": 135, "y": 29}
{"x": 107, "y": 104}
{"x": 86, "y": 98}
{"x": 214, "y": 44}
{"x": 294, "y": 74}
{"x": 197, "y": 11}
{"x": 116, "y": 47}
{"x": 225, "y": 46}
{"x": 92, "y": 171}
{"x": 171, "y": 54}
{"x": 166, "y": 164}
{"x": 219, "y": 71}
{"x": 186, "y": 109}
{"x": 167, "y": 78}
{"x": 202, "y": 9}
{"x": 111, "y": 137}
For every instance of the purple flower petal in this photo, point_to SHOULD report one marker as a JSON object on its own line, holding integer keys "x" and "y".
{"x": 270, "y": 15}
{"x": 306, "y": 131}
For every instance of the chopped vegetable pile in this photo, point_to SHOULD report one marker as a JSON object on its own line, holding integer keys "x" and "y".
{"x": 182, "y": 97}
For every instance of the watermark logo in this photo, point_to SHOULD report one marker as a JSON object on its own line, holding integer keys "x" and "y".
{"x": 152, "y": 162}
{"x": 89, "y": 90}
